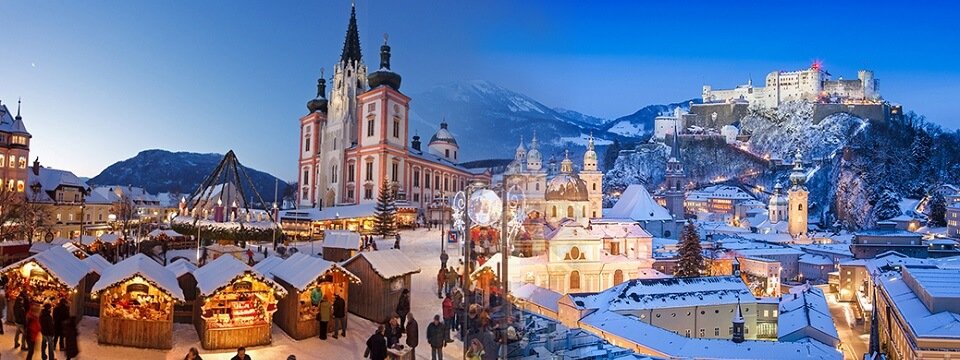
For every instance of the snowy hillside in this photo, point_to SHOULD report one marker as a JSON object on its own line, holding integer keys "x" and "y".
{"x": 781, "y": 132}
{"x": 640, "y": 123}
{"x": 580, "y": 118}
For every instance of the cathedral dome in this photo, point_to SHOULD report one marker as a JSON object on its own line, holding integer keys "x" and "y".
{"x": 443, "y": 136}
{"x": 384, "y": 76}
{"x": 777, "y": 199}
{"x": 566, "y": 187}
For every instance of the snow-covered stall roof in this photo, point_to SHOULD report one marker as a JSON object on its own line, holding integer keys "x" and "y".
{"x": 542, "y": 297}
{"x": 807, "y": 308}
{"x": 110, "y": 238}
{"x": 168, "y": 233}
{"x": 40, "y": 246}
{"x": 341, "y": 239}
{"x": 267, "y": 265}
{"x": 330, "y": 213}
{"x": 58, "y": 262}
{"x": 300, "y": 270}
{"x": 181, "y": 267}
{"x": 387, "y": 263}
{"x": 97, "y": 263}
{"x": 221, "y": 272}
{"x": 637, "y": 204}
{"x": 147, "y": 268}
{"x": 87, "y": 240}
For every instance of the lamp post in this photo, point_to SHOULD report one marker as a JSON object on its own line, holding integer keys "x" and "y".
{"x": 443, "y": 209}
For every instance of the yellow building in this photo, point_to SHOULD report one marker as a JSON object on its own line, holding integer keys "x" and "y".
{"x": 67, "y": 200}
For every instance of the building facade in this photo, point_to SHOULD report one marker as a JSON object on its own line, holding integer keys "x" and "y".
{"x": 797, "y": 200}
{"x": 812, "y": 84}
{"x": 70, "y": 208}
{"x": 14, "y": 150}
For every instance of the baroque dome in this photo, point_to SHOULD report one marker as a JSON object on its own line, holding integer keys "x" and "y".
{"x": 566, "y": 187}
{"x": 443, "y": 136}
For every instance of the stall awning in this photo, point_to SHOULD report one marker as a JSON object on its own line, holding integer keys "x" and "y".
{"x": 300, "y": 270}
{"x": 330, "y": 213}
{"x": 145, "y": 267}
{"x": 224, "y": 270}
{"x": 60, "y": 263}
{"x": 341, "y": 239}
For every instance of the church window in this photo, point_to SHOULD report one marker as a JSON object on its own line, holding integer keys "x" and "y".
{"x": 333, "y": 174}
{"x": 368, "y": 193}
{"x": 554, "y": 211}
{"x": 446, "y": 184}
{"x": 583, "y": 211}
{"x": 436, "y": 182}
{"x": 446, "y": 153}
{"x": 370, "y": 127}
{"x": 416, "y": 197}
{"x": 618, "y": 278}
{"x": 369, "y": 171}
{"x": 334, "y": 143}
{"x": 394, "y": 171}
{"x": 371, "y": 107}
{"x": 575, "y": 280}
{"x": 799, "y": 206}
{"x": 306, "y": 139}
{"x": 537, "y": 186}
{"x": 594, "y": 186}
{"x": 396, "y": 128}
{"x": 426, "y": 182}
{"x": 306, "y": 176}
{"x": 305, "y": 193}
{"x": 416, "y": 178}
{"x": 594, "y": 214}
{"x": 454, "y": 154}
{"x": 350, "y": 176}
{"x": 569, "y": 211}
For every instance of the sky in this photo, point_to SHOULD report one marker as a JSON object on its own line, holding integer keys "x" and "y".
{"x": 102, "y": 80}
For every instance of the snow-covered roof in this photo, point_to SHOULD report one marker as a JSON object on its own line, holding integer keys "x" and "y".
{"x": 300, "y": 270}
{"x": 341, "y": 239}
{"x": 145, "y": 267}
{"x": 168, "y": 233}
{"x": 39, "y": 246}
{"x": 387, "y": 263}
{"x": 224, "y": 249}
{"x": 542, "y": 297}
{"x": 267, "y": 265}
{"x": 815, "y": 260}
{"x": 330, "y": 213}
{"x": 97, "y": 263}
{"x": 573, "y": 231}
{"x": 921, "y": 320}
{"x": 110, "y": 238}
{"x": 720, "y": 192}
{"x": 642, "y": 294}
{"x": 87, "y": 240}
{"x": 807, "y": 308}
{"x": 224, "y": 270}
{"x": 60, "y": 263}
{"x": 770, "y": 251}
{"x": 621, "y": 230}
{"x": 637, "y": 204}
{"x": 181, "y": 267}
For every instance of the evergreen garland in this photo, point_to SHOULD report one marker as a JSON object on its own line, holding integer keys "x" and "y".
{"x": 690, "y": 263}
{"x": 385, "y": 215}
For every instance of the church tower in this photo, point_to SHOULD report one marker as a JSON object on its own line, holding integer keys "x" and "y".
{"x": 534, "y": 158}
{"x": 594, "y": 179}
{"x": 777, "y": 207}
{"x": 520, "y": 157}
{"x": 674, "y": 195}
{"x": 340, "y": 132}
{"x": 797, "y": 199}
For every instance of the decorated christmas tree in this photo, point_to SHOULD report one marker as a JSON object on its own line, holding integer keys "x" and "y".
{"x": 386, "y": 211}
{"x": 691, "y": 254}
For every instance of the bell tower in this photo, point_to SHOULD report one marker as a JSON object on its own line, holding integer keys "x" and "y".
{"x": 592, "y": 176}
{"x": 797, "y": 199}
{"x": 674, "y": 195}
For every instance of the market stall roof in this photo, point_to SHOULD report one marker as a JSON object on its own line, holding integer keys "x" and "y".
{"x": 180, "y": 267}
{"x": 221, "y": 272}
{"x": 110, "y": 238}
{"x": 145, "y": 267}
{"x": 169, "y": 233}
{"x": 87, "y": 240}
{"x": 387, "y": 263}
{"x": 225, "y": 249}
{"x": 60, "y": 263}
{"x": 265, "y": 266}
{"x": 40, "y": 246}
{"x": 97, "y": 263}
{"x": 341, "y": 239}
{"x": 301, "y": 270}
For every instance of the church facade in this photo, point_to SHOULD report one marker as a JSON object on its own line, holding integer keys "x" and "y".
{"x": 358, "y": 139}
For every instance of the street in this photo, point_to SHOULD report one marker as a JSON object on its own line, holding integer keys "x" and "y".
{"x": 853, "y": 338}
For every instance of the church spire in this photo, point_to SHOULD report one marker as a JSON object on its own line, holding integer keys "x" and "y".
{"x": 18, "y": 109}
{"x": 675, "y": 147}
{"x": 738, "y": 334}
{"x": 351, "y": 45}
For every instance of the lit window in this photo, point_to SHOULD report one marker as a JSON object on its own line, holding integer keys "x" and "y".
{"x": 20, "y": 186}
{"x": 13, "y": 161}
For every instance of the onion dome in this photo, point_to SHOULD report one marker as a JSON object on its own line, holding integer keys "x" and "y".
{"x": 777, "y": 199}
{"x": 320, "y": 102}
{"x": 384, "y": 76}
{"x": 443, "y": 136}
{"x": 798, "y": 177}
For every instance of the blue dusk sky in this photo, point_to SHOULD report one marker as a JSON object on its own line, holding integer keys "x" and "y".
{"x": 103, "y": 80}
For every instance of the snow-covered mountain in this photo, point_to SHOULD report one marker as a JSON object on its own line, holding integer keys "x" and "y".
{"x": 640, "y": 123}
{"x": 581, "y": 118}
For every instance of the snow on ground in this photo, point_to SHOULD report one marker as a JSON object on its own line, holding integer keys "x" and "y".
{"x": 626, "y": 128}
{"x": 422, "y": 246}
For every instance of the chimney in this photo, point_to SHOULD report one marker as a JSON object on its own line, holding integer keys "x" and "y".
{"x": 36, "y": 166}
{"x": 415, "y": 144}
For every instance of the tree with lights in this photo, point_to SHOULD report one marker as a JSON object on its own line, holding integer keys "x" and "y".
{"x": 938, "y": 210}
{"x": 691, "y": 254}
{"x": 385, "y": 213}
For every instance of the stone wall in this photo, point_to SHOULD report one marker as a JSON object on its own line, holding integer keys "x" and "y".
{"x": 873, "y": 112}
{"x": 727, "y": 114}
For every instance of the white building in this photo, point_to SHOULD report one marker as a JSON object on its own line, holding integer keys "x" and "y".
{"x": 636, "y": 205}
{"x": 812, "y": 84}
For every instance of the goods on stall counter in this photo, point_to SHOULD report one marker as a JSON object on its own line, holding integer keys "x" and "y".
{"x": 233, "y": 310}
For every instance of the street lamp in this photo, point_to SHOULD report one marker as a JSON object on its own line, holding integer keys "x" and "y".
{"x": 443, "y": 210}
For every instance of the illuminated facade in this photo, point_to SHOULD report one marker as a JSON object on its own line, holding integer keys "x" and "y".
{"x": 14, "y": 150}
{"x": 797, "y": 200}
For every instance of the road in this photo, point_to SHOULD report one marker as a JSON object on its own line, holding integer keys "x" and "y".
{"x": 853, "y": 338}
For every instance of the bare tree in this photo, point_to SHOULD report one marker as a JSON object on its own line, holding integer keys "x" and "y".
{"x": 125, "y": 210}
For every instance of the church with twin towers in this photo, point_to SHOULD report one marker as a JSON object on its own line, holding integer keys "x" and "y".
{"x": 355, "y": 138}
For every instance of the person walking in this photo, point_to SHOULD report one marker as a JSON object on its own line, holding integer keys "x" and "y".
{"x": 458, "y": 315}
{"x": 339, "y": 316}
{"x": 443, "y": 259}
{"x": 441, "y": 281}
{"x": 192, "y": 354}
{"x": 20, "y": 320}
{"x": 376, "y": 345}
{"x": 396, "y": 243}
{"x": 403, "y": 306}
{"x": 32, "y": 332}
{"x": 452, "y": 277}
{"x": 323, "y": 316}
{"x": 447, "y": 316}
{"x": 436, "y": 339}
{"x": 48, "y": 333}
{"x": 413, "y": 335}
{"x": 70, "y": 334}
{"x": 60, "y": 314}
{"x": 241, "y": 354}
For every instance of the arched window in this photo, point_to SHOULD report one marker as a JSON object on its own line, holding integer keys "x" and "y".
{"x": 799, "y": 206}
{"x": 334, "y": 143}
{"x": 333, "y": 174}
{"x": 617, "y": 276}
{"x": 569, "y": 211}
{"x": 537, "y": 187}
{"x": 575, "y": 280}
{"x": 554, "y": 211}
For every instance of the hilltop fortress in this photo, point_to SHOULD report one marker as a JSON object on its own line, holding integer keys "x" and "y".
{"x": 813, "y": 84}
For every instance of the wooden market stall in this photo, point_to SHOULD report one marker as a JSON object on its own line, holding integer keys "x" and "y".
{"x": 136, "y": 304}
{"x": 97, "y": 265}
{"x": 301, "y": 275}
{"x": 48, "y": 277}
{"x": 234, "y": 305}
{"x": 383, "y": 275}
{"x": 340, "y": 245}
{"x": 183, "y": 270}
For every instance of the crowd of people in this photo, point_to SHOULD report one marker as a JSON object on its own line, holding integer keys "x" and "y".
{"x": 48, "y": 324}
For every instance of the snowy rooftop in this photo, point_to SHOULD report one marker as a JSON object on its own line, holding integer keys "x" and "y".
{"x": 637, "y": 204}
{"x": 341, "y": 239}
{"x": 330, "y": 213}
{"x": 181, "y": 267}
{"x": 147, "y": 268}
{"x": 221, "y": 272}
{"x": 58, "y": 262}
{"x": 807, "y": 308}
{"x": 267, "y": 265}
{"x": 97, "y": 263}
{"x": 623, "y": 230}
{"x": 943, "y": 324}
{"x": 835, "y": 249}
{"x": 640, "y": 294}
{"x": 770, "y": 251}
{"x": 168, "y": 233}
{"x": 387, "y": 263}
{"x": 573, "y": 231}
{"x": 719, "y": 192}
{"x": 300, "y": 270}
{"x": 110, "y": 238}
{"x": 815, "y": 260}
{"x": 545, "y": 298}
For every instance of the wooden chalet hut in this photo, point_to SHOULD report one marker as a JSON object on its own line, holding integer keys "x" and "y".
{"x": 48, "y": 277}
{"x": 97, "y": 265}
{"x": 137, "y": 297}
{"x": 183, "y": 270}
{"x": 383, "y": 276}
{"x": 235, "y": 304}
{"x": 301, "y": 275}
{"x": 340, "y": 245}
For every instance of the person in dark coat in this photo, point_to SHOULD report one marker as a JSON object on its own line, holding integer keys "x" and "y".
{"x": 376, "y": 345}
{"x": 20, "y": 319}
{"x": 403, "y": 306}
{"x": 437, "y": 338}
{"x": 443, "y": 259}
{"x": 47, "y": 331}
{"x": 60, "y": 314}
{"x": 413, "y": 335}
{"x": 241, "y": 354}
{"x": 339, "y": 316}
{"x": 393, "y": 332}
{"x": 69, "y": 327}
{"x": 32, "y": 333}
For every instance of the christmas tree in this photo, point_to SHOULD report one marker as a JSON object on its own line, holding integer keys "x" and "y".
{"x": 691, "y": 254}
{"x": 938, "y": 210}
{"x": 385, "y": 215}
